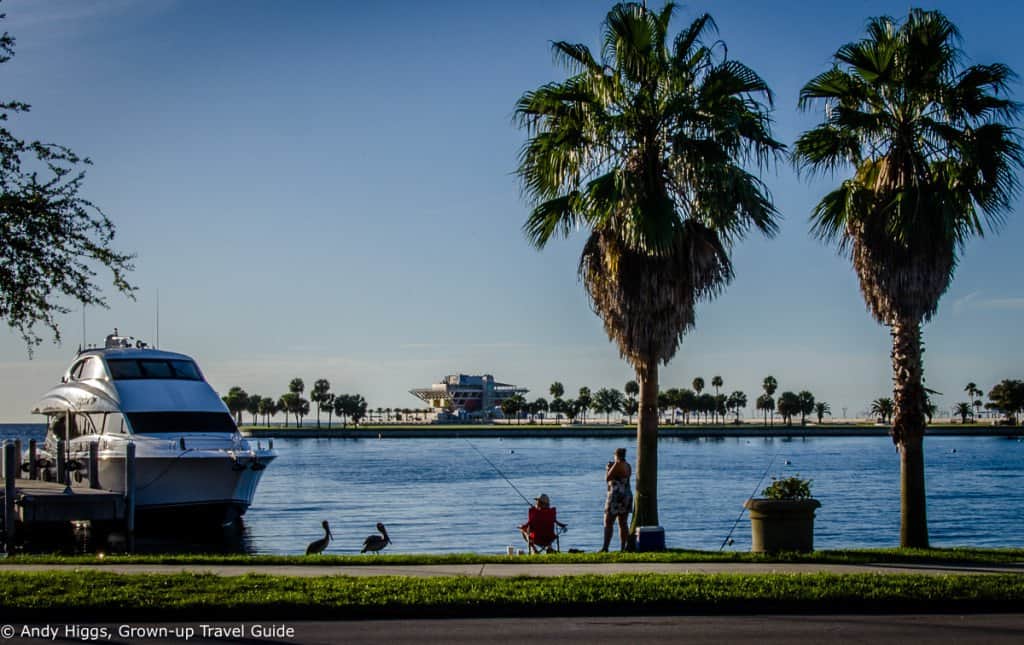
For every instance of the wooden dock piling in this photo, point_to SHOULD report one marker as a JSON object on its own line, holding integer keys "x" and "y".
{"x": 30, "y": 502}
{"x": 9, "y": 492}
{"x": 33, "y": 465}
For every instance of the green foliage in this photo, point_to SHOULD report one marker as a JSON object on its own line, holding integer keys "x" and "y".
{"x": 883, "y": 408}
{"x": 557, "y": 390}
{"x": 351, "y": 406}
{"x": 1008, "y": 398}
{"x": 788, "y": 405}
{"x": 632, "y": 389}
{"x": 608, "y": 400}
{"x": 237, "y": 400}
{"x": 788, "y": 488}
{"x": 964, "y": 410}
{"x": 821, "y": 409}
{"x": 512, "y": 406}
{"x": 736, "y": 401}
{"x": 51, "y": 238}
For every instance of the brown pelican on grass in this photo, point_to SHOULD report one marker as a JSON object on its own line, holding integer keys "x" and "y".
{"x": 376, "y": 542}
{"x": 317, "y": 546}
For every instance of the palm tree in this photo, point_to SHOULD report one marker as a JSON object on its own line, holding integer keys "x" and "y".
{"x": 584, "y": 399}
{"x": 284, "y": 404}
{"x": 806, "y": 405}
{"x": 933, "y": 159}
{"x": 672, "y": 399}
{"x": 788, "y": 405}
{"x": 769, "y": 384}
{"x": 236, "y": 399}
{"x": 328, "y": 404}
{"x": 765, "y": 402}
{"x": 717, "y": 382}
{"x": 252, "y": 406}
{"x": 646, "y": 149}
{"x": 319, "y": 395}
{"x": 706, "y": 404}
{"x": 698, "y": 387}
{"x": 736, "y": 401}
{"x": 608, "y": 400}
{"x": 883, "y": 408}
{"x": 975, "y": 393}
{"x": 557, "y": 390}
{"x": 821, "y": 409}
{"x": 687, "y": 402}
{"x": 510, "y": 406}
{"x": 267, "y": 408}
{"x": 964, "y": 410}
{"x": 632, "y": 390}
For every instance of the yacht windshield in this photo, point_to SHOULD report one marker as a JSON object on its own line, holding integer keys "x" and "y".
{"x": 124, "y": 369}
{"x": 180, "y": 422}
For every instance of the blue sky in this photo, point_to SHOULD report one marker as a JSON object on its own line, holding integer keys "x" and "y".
{"x": 326, "y": 189}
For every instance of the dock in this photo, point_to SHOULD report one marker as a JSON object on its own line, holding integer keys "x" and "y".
{"x": 39, "y": 501}
{"x": 31, "y": 502}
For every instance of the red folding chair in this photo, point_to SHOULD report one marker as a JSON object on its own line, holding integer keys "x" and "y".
{"x": 542, "y": 529}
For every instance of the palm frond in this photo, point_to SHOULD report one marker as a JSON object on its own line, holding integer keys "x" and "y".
{"x": 553, "y": 217}
{"x": 575, "y": 56}
{"x": 686, "y": 40}
{"x": 826, "y": 148}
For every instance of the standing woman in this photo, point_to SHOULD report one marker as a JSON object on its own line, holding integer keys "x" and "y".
{"x": 620, "y": 499}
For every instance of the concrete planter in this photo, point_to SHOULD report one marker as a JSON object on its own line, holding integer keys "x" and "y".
{"x": 781, "y": 524}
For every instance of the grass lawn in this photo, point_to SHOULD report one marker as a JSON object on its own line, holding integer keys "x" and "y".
{"x": 99, "y": 596}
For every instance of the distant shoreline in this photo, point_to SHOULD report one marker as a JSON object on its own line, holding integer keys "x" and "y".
{"x": 525, "y": 431}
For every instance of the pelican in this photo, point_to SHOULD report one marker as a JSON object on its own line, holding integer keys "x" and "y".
{"x": 376, "y": 542}
{"x": 318, "y": 546}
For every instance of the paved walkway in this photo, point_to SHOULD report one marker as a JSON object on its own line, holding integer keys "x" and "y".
{"x": 522, "y": 569}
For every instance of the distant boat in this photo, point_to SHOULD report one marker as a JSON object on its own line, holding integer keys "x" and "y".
{"x": 191, "y": 461}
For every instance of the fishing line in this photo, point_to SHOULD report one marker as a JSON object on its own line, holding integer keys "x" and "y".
{"x": 740, "y": 516}
{"x": 497, "y": 470}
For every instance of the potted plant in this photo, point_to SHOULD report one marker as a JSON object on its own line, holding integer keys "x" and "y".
{"x": 783, "y": 519}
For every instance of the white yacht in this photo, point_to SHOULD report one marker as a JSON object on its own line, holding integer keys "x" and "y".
{"x": 189, "y": 455}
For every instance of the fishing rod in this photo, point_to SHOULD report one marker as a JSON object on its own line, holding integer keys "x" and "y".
{"x": 740, "y": 516}
{"x": 497, "y": 470}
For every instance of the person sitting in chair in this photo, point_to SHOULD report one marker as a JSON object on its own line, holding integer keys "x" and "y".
{"x": 539, "y": 530}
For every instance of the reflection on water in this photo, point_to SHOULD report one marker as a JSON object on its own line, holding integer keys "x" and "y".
{"x": 442, "y": 496}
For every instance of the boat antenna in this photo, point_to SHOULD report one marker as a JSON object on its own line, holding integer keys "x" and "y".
{"x": 84, "y": 344}
{"x": 497, "y": 470}
{"x": 740, "y": 516}
{"x": 157, "y": 344}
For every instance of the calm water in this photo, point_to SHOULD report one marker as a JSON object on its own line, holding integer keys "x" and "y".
{"x": 441, "y": 496}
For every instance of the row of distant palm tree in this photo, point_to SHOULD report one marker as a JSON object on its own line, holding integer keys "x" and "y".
{"x": 670, "y": 403}
{"x": 1006, "y": 398}
{"x": 647, "y": 148}
{"x": 348, "y": 407}
{"x": 1002, "y": 399}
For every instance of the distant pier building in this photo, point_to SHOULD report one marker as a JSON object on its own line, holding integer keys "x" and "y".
{"x": 463, "y": 395}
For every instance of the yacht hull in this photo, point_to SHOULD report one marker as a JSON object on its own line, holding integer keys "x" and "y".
{"x": 200, "y": 486}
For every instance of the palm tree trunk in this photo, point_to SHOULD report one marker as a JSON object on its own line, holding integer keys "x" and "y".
{"x": 908, "y": 430}
{"x": 646, "y": 498}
